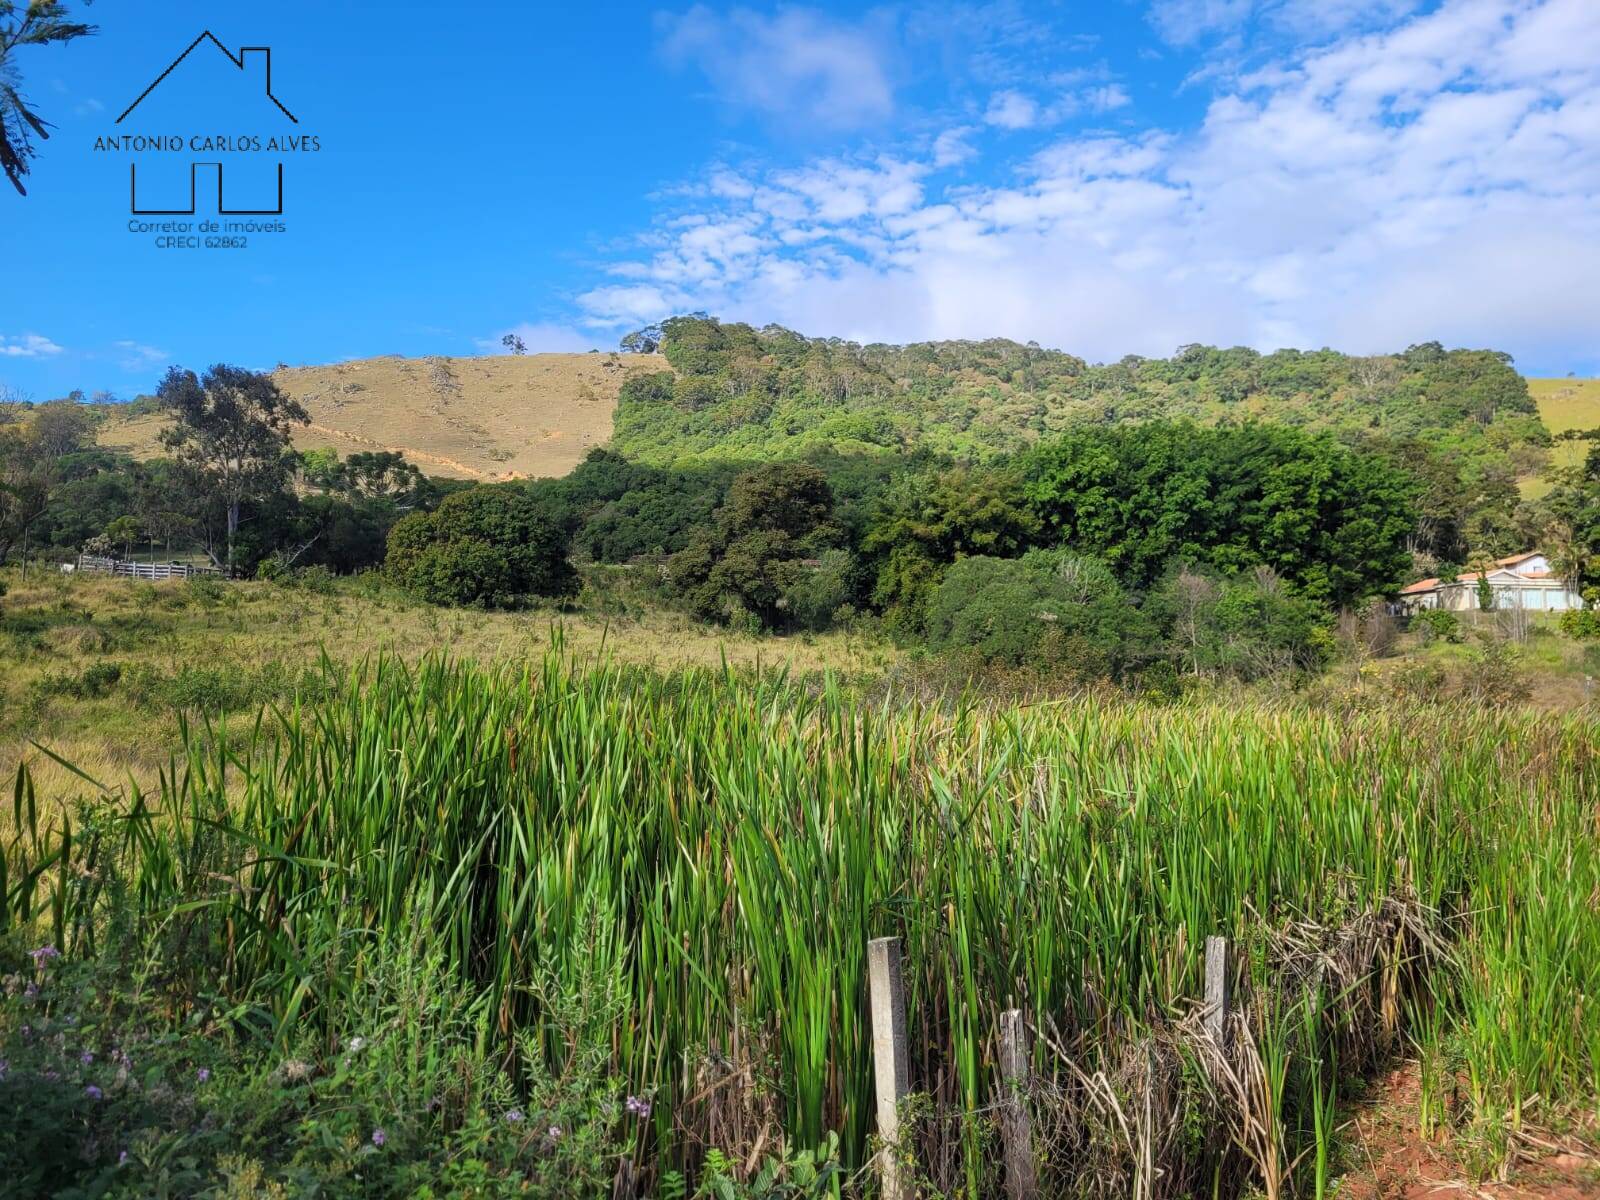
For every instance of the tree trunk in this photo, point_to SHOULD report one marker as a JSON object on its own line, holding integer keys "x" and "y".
{"x": 233, "y": 527}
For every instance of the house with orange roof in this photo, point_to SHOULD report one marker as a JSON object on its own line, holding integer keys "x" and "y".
{"x": 1519, "y": 581}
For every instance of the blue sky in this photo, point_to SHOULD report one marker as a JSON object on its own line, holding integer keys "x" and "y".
{"x": 1107, "y": 178}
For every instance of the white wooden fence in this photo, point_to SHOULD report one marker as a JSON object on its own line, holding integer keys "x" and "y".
{"x": 94, "y": 564}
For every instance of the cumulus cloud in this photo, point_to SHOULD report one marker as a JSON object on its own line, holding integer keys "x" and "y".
{"x": 1436, "y": 179}
{"x": 797, "y": 64}
{"x": 27, "y": 345}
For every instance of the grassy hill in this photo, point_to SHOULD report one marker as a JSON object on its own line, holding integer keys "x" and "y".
{"x": 498, "y": 417}
{"x": 1564, "y": 404}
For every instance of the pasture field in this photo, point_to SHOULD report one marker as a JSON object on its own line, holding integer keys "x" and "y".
{"x": 100, "y": 669}
{"x": 663, "y": 882}
{"x": 1564, "y": 405}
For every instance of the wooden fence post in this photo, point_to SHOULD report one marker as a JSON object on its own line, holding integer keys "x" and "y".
{"x": 891, "y": 1056}
{"x": 1217, "y": 989}
{"x": 1016, "y": 1123}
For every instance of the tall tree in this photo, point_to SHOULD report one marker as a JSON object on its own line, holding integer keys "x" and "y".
{"x": 25, "y": 479}
{"x": 62, "y": 427}
{"x": 28, "y": 23}
{"x": 231, "y": 436}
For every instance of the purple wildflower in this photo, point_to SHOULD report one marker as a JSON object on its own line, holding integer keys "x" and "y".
{"x": 638, "y": 1106}
{"x": 514, "y": 1115}
{"x": 379, "y": 1137}
{"x": 122, "y": 1158}
{"x": 203, "y": 1074}
{"x": 43, "y": 955}
{"x": 31, "y": 990}
{"x": 93, "y": 1092}
{"x": 86, "y": 1057}
{"x": 555, "y": 1132}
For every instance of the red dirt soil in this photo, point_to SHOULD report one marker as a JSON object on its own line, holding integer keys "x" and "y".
{"x": 1395, "y": 1162}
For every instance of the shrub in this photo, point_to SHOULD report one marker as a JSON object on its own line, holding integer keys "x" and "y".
{"x": 93, "y": 682}
{"x": 1580, "y": 624}
{"x": 207, "y": 590}
{"x": 1419, "y": 681}
{"x": 491, "y": 546}
{"x": 1046, "y": 610}
{"x": 1437, "y": 624}
{"x": 1493, "y": 673}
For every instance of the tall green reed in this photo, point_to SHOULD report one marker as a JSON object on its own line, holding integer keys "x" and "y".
{"x": 740, "y": 838}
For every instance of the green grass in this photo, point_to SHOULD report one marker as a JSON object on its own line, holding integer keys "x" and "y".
{"x": 1564, "y": 405}
{"x": 722, "y": 846}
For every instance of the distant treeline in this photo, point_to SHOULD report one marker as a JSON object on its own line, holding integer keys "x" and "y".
{"x": 1460, "y": 420}
{"x": 1110, "y": 546}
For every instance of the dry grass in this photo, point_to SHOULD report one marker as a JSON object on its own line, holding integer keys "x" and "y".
{"x": 1563, "y": 404}
{"x": 496, "y": 417}
{"x": 259, "y": 638}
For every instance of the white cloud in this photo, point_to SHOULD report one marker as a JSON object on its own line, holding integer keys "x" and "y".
{"x": 1012, "y": 110}
{"x": 135, "y": 356}
{"x": 1182, "y": 22}
{"x": 1105, "y": 99}
{"x": 798, "y": 65}
{"x": 27, "y": 345}
{"x": 541, "y": 337}
{"x": 1440, "y": 179}
{"x": 953, "y": 147}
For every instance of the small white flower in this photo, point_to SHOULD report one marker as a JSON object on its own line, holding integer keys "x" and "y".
{"x": 357, "y": 1044}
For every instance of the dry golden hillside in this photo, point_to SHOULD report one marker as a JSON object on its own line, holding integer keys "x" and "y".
{"x": 500, "y": 417}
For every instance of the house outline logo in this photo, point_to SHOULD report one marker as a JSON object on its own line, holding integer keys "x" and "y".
{"x": 239, "y": 61}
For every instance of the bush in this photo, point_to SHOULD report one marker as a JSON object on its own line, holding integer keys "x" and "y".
{"x": 491, "y": 546}
{"x": 93, "y": 682}
{"x": 1437, "y": 624}
{"x": 1422, "y": 681}
{"x": 104, "y": 1089}
{"x": 1047, "y": 610}
{"x": 1494, "y": 673}
{"x": 208, "y": 591}
{"x": 1580, "y": 624}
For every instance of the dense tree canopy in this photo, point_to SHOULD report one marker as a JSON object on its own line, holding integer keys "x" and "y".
{"x": 1332, "y": 522}
{"x": 764, "y": 544}
{"x": 492, "y": 545}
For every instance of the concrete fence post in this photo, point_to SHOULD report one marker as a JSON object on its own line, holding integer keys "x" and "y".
{"x": 891, "y": 1057}
{"x": 1217, "y": 989}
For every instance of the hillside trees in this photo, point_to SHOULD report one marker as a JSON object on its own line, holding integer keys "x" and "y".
{"x": 230, "y": 435}
{"x": 764, "y": 542}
